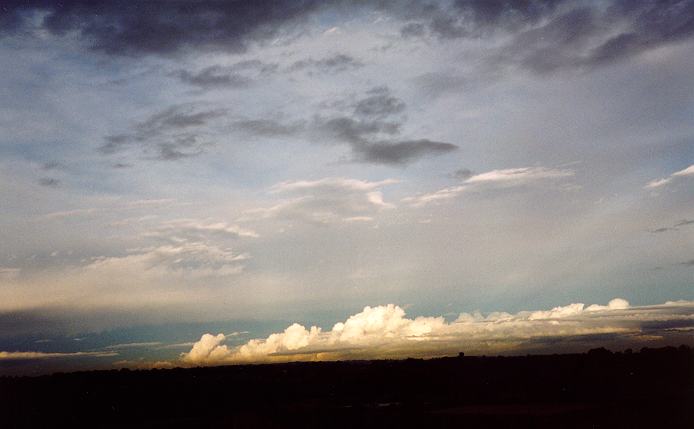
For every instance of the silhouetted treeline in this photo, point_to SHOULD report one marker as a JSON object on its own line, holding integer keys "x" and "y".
{"x": 599, "y": 389}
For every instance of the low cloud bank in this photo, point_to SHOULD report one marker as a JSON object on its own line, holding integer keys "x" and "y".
{"x": 384, "y": 332}
{"x": 10, "y": 356}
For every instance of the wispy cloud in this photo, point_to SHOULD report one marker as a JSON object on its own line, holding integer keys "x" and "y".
{"x": 495, "y": 179}
{"x": 658, "y": 183}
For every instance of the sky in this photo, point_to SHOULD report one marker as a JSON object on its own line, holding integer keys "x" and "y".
{"x": 203, "y": 182}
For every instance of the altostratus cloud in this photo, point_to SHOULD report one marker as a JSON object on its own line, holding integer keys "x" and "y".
{"x": 384, "y": 331}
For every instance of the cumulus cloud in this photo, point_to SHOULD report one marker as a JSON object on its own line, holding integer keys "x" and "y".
{"x": 659, "y": 183}
{"x": 495, "y": 179}
{"x": 327, "y": 200}
{"x": 385, "y": 331}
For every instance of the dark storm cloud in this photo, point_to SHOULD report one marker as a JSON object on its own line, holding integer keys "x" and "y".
{"x": 159, "y": 27}
{"x": 170, "y": 135}
{"x": 333, "y": 64}
{"x": 551, "y": 35}
{"x": 546, "y": 35}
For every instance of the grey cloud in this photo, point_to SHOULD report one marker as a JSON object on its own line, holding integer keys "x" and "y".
{"x": 177, "y": 117}
{"x": 269, "y": 127}
{"x": 463, "y": 173}
{"x": 169, "y": 135}
{"x": 401, "y": 152}
{"x": 583, "y": 32}
{"x": 370, "y": 131}
{"x": 53, "y": 165}
{"x": 239, "y": 75}
{"x": 214, "y": 76}
{"x": 379, "y": 103}
{"x": 49, "y": 182}
{"x": 551, "y": 35}
{"x": 413, "y": 29}
{"x": 352, "y": 130}
{"x": 163, "y": 28}
{"x": 436, "y": 83}
{"x": 689, "y": 263}
{"x": 333, "y": 64}
{"x": 675, "y": 227}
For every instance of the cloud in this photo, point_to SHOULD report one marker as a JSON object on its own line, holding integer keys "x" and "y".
{"x": 379, "y": 103}
{"x": 8, "y": 273}
{"x": 370, "y": 130}
{"x": 400, "y": 152}
{"x": 49, "y": 182}
{"x": 658, "y": 183}
{"x": 541, "y": 35}
{"x": 195, "y": 230}
{"x": 43, "y": 355}
{"x": 172, "y": 134}
{"x": 52, "y": 165}
{"x": 675, "y": 227}
{"x": 186, "y": 247}
{"x": 385, "y": 331}
{"x": 124, "y": 28}
{"x": 546, "y": 36}
{"x": 133, "y": 345}
{"x": 327, "y": 200}
{"x": 189, "y": 258}
{"x": 268, "y": 127}
{"x": 238, "y": 75}
{"x": 333, "y": 64}
{"x": 495, "y": 179}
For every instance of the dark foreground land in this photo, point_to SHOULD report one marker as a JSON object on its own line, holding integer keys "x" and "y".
{"x": 653, "y": 388}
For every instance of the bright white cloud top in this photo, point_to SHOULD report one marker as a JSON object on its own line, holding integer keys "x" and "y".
{"x": 385, "y": 332}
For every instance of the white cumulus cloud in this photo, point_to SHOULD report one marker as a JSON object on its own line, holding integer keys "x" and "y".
{"x": 385, "y": 331}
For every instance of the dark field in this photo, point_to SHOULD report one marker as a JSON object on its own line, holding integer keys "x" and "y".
{"x": 652, "y": 388}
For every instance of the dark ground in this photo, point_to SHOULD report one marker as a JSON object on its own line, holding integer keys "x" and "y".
{"x": 653, "y": 388}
